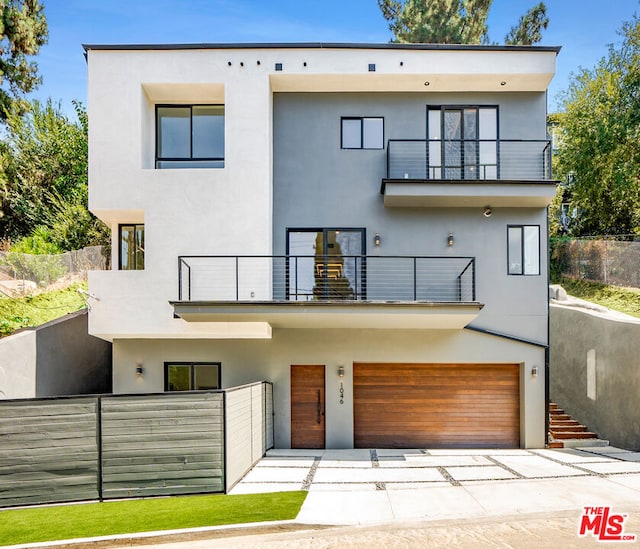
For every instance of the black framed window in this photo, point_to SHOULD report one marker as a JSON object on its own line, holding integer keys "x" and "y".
{"x": 362, "y": 133}
{"x": 463, "y": 142}
{"x": 131, "y": 247}
{"x": 189, "y": 136}
{"x": 191, "y": 376}
{"x": 523, "y": 249}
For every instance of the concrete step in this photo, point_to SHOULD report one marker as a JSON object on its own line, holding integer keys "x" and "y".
{"x": 562, "y": 435}
{"x": 555, "y": 444}
{"x": 585, "y": 443}
{"x": 556, "y": 411}
{"x": 567, "y": 428}
{"x": 563, "y": 422}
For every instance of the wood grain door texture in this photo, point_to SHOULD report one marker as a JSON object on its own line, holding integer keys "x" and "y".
{"x": 307, "y": 406}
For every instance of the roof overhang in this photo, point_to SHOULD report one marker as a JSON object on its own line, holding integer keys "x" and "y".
{"x": 459, "y": 194}
{"x": 333, "y": 314}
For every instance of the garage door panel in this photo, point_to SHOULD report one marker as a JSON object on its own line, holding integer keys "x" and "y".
{"x": 436, "y": 405}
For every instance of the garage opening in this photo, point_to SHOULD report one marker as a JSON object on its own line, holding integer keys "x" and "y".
{"x": 436, "y": 405}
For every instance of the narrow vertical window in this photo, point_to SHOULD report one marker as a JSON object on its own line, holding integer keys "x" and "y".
{"x": 523, "y": 249}
{"x": 131, "y": 247}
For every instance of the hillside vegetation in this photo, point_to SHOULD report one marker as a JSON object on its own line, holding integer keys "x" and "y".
{"x": 34, "y": 310}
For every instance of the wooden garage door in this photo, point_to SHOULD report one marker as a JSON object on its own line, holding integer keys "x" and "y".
{"x": 436, "y": 405}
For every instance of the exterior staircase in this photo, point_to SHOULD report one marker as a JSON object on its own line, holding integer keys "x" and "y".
{"x": 566, "y": 432}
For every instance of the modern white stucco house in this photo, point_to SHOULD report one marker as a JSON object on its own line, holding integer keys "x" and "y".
{"x": 362, "y": 225}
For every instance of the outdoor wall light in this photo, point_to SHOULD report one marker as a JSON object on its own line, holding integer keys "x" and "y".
{"x": 487, "y": 211}
{"x": 341, "y": 371}
{"x": 503, "y": 83}
{"x": 377, "y": 239}
{"x": 450, "y": 240}
{"x": 534, "y": 371}
{"x": 139, "y": 370}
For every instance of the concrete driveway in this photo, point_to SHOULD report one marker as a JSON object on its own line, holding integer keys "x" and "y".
{"x": 351, "y": 487}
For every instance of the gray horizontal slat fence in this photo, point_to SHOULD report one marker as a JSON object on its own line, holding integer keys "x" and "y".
{"x": 117, "y": 446}
{"x": 48, "y": 451}
{"x": 162, "y": 444}
{"x": 247, "y": 425}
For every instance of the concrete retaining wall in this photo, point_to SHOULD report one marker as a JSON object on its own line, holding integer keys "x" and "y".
{"x": 595, "y": 372}
{"x": 55, "y": 359}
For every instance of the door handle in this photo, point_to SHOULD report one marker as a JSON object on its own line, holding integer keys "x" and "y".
{"x": 319, "y": 408}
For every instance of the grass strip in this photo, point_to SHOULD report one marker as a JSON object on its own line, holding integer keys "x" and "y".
{"x": 62, "y": 522}
{"x": 624, "y": 300}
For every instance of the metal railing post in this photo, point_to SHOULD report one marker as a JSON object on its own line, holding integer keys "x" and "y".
{"x": 237, "y": 282}
{"x": 415, "y": 279}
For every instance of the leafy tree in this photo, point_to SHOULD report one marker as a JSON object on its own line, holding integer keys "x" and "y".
{"x": 600, "y": 140}
{"x": 23, "y": 29}
{"x": 455, "y": 22}
{"x": 44, "y": 161}
{"x": 529, "y": 29}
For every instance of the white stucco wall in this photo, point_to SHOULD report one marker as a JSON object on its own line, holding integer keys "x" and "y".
{"x": 229, "y": 210}
{"x": 18, "y": 365}
{"x": 270, "y": 360}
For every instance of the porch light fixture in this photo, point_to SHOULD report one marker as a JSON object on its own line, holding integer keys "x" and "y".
{"x": 376, "y": 239}
{"x": 139, "y": 370}
{"x": 450, "y": 240}
{"x": 503, "y": 83}
{"x": 534, "y": 371}
{"x": 487, "y": 211}
{"x": 341, "y": 376}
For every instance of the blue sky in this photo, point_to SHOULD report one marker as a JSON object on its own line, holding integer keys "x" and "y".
{"x": 583, "y": 28}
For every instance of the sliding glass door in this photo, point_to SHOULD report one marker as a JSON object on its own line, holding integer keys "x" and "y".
{"x": 325, "y": 264}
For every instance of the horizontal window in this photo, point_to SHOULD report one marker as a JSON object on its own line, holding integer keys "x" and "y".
{"x": 191, "y": 376}
{"x": 189, "y": 136}
{"x": 131, "y": 247}
{"x": 362, "y": 133}
{"x": 523, "y": 249}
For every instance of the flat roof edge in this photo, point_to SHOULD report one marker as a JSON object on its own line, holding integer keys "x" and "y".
{"x": 320, "y": 45}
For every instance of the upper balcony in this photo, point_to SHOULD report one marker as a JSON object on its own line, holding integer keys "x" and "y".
{"x": 472, "y": 173}
{"x": 328, "y": 291}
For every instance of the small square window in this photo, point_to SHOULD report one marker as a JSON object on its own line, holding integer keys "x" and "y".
{"x": 189, "y": 136}
{"x": 523, "y": 249}
{"x": 362, "y": 133}
{"x": 372, "y": 67}
{"x": 191, "y": 376}
{"x": 131, "y": 247}
{"x": 278, "y": 66}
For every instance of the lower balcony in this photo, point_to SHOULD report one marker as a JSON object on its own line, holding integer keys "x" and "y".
{"x": 328, "y": 291}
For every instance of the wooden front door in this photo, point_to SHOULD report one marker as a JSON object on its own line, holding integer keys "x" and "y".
{"x": 307, "y": 406}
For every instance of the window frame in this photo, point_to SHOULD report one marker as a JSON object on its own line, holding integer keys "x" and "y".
{"x": 523, "y": 251}
{"x": 460, "y": 107}
{"x": 361, "y": 119}
{"x": 135, "y": 231}
{"x": 191, "y": 364}
{"x": 191, "y": 158}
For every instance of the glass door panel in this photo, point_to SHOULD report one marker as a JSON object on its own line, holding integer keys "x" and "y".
{"x": 326, "y": 264}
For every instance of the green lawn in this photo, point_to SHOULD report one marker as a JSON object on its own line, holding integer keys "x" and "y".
{"x": 61, "y": 522}
{"x": 22, "y": 312}
{"x": 625, "y": 300}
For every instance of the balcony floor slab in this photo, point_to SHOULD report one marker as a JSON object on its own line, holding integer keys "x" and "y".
{"x": 333, "y": 314}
